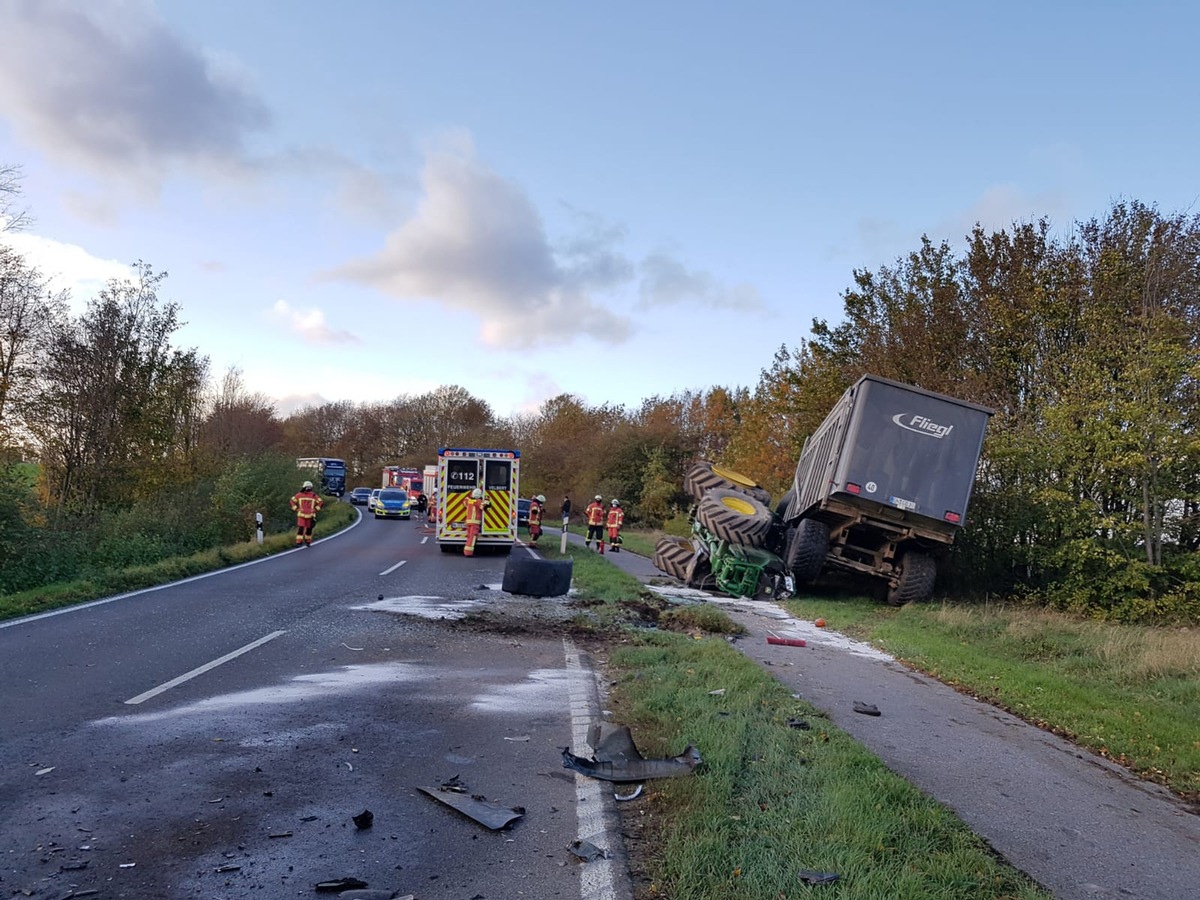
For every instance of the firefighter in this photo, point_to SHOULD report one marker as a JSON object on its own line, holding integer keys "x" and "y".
{"x": 616, "y": 518}
{"x": 536, "y": 505}
{"x": 475, "y": 507}
{"x": 306, "y": 504}
{"x": 595, "y": 522}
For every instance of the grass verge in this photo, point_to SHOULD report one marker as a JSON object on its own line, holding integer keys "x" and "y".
{"x": 1128, "y": 692}
{"x": 334, "y": 517}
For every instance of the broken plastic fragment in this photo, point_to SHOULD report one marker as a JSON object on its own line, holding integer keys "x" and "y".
{"x": 616, "y": 758}
{"x": 809, "y": 877}
{"x": 587, "y": 851}
{"x": 45, "y": 771}
{"x": 798, "y": 723}
{"x": 490, "y": 815}
{"x": 338, "y": 885}
{"x": 867, "y": 709}
{"x": 364, "y": 819}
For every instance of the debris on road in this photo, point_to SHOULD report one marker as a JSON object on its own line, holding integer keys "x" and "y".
{"x": 773, "y": 638}
{"x": 374, "y": 894}
{"x": 280, "y": 834}
{"x": 364, "y": 819}
{"x": 45, "y": 771}
{"x": 523, "y": 737}
{"x": 222, "y": 869}
{"x": 485, "y": 812}
{"x": 587, "y": 851}
{"x": 616, "y": 758}
{"x": 337, "y": 885}
{"x": 719, "y": 692}
{"x": 800, "y": 724}
{"x": 867, "y": 709}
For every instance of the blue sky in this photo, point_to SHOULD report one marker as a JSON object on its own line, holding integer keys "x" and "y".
{"x": 369, "y": 199}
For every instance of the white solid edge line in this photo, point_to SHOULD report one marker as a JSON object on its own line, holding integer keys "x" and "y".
{"x": 188, "y": 676}
{"x": 595, "y": 815}
{"x": 393, "y": 568}
{"x": 158, "y": 587}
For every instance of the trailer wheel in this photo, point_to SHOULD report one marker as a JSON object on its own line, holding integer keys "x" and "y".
{"x": 734, "y": 516}
{"x": 704, "y": 477}
{"x": 806, "y": 550}
{"x": 674, "y": 555}
{"x": 530, "y": 576}
{"x": 918, "y": 571}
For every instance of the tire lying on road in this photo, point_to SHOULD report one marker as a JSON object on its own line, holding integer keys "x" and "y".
{"x": 674, "y": 555}
{"x": 704, "y": 477}
{"x": 532, "y": 577}
{"x": 734, "y": 516}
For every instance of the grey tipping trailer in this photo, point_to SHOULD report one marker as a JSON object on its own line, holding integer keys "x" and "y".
{"x": 883, "y": 481}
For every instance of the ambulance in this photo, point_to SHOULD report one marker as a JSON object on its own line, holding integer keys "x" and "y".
{"x": 460, "y": 470}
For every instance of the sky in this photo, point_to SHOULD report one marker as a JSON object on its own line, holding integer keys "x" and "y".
{"x": 366, "y": 200}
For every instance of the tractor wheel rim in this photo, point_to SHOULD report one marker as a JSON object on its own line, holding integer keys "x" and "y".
{"x": 735, "y": 477}
{"x": 745, "y": 507}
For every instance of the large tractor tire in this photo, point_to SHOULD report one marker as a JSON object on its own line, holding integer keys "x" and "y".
{"x": 918, "y": 571}
{"x": 674, "y": 555}
{"x": 533, "y": 577}
{"x": 806, "y": 550}
{"x": 704, "y": 477}
{"x": 734, "y": 516}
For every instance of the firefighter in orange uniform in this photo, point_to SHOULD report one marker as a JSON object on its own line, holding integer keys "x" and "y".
{"x": 306, "y": 504}
{"x": 475, "y": 507}
{"x": 535, "y": 519}
{"x": 595, "y": 522}
{"x": 616, "y": 518}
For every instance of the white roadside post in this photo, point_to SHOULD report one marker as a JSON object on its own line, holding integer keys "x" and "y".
{"x": 258, "y": 528}
{"x": 563, "y": 544}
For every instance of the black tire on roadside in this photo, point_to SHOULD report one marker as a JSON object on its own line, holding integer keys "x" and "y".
{"x": 704, "y": 477}
{"x": 918, "y": 572}
{"x": 674, "y": 555}
{"x": 806, "y": 550}
{"x": 735, "y": 517}
{"x": 533, "y": 577}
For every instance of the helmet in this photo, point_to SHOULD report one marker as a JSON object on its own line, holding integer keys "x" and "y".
{"x": 616, "y": 502}
{"x": 541, "y": 498}
{"x": 308, "y": 485}
{"x": 477, "y": 493}
{"x": 598, "y": 497}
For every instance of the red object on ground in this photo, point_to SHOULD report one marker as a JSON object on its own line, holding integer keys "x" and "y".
{"x": 787, "y": 642}
{"x": 820, "y": 623}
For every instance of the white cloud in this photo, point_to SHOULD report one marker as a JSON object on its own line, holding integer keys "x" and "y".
{"x": 476, "y": 243}
{"x": 310, "y": 325}
{"x": 67, "y": 266}
{"x": 668, "y": 282}
{"x": 999, "y": 206}
{"x": 107, "y": 86}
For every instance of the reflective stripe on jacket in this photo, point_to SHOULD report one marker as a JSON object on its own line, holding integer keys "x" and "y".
{"x": 306, "y": 504}
{"x": 616, "y": 517}
{"x": 595, "y": 513}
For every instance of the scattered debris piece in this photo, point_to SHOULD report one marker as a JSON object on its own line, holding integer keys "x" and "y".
{"x": 587, "y": 851}
{"x": 719, "y": 692}
{"x": 73, "y": 866}
{"x": 454, "y": 783}
{"x": 485, "y": 812}
{"x": 637, "y": 792}
{"x": 373, "y": 894}
{"x": 280, "y": 834}
{"x": 800, "y": 724}
{"x": 45, "y": 771}
{"x": 348, "y": 647}
{"x": 523, "y": 737}
{"x": 809, "y": 877}
{"x": 221, "y": 869}
{"x": 364, "y": 819}
{"x": 616, "y": 758}
{"x": 337, "y": 885}
{"x": 308, "y": 818}
{"x": 820, "y": 623}
{"x": 218, "y": 800}
{"x": 126, "y": 865}
{"x": 867, "y": 709}
{"x": 773, "y": 638}
{"x": 350, "y": 766}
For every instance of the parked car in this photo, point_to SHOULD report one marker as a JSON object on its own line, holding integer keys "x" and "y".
{"x": 522, "y": 511}
{"x": 360, "y": 496}
{"x": 373, "y": 499}
{"x": 393, "y": 503}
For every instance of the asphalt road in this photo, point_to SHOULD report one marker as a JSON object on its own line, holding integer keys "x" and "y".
{"x": 216, "y": 737}
{"x": 1080, "y": 826}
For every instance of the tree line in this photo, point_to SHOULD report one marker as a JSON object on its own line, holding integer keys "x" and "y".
{"x": 122, "y": 448}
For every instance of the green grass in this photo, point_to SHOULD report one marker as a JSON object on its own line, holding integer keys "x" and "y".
{"x": 1128, "y": 692}
{"x": 333, "y": 518}
{"x": 770, "y": 800}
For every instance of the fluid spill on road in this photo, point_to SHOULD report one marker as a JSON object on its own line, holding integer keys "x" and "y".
{"x": 544, "y": 690}
{"x": 422, "y": 606}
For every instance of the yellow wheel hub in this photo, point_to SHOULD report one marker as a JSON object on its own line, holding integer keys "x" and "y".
{"x": 735, "y": 477}
{"x": 745, "y": 507}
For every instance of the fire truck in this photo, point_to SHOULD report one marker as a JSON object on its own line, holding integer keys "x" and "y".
{"x": 404, "y": 478}
{"x": 460, "y": 470}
